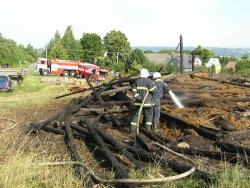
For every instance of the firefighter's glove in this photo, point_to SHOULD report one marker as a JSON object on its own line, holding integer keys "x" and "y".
{"x": 138, "y": 97}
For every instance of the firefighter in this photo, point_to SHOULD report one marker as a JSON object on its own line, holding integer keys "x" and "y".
{"x": 141, "y": 87}
{"x": 161, "y": 87}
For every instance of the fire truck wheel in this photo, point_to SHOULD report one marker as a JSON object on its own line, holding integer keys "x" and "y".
{"x": 65, "y": 73}
{"x": 45, "y": 72}
{"x": 72, "y": 73}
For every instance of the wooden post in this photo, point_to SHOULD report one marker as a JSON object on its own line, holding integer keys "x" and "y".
{"x": 181, "y": 54}
{"x": 193, "y": 59}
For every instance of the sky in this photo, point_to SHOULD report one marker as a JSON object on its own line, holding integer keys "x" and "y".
{"x": 211, "y": 23}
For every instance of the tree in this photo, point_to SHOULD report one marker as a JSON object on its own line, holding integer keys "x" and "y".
{"x": 93, "y": 47}
{"x": 70, "y": 44}
{"x": 11, "y": 53}
{"x": 138, "y": 56}
{"x": 204, "y": 53}
{"x": 243, "y": 66}
{"x": 246, "y": 56}
{"x": 56, "y": 48}
{"x": 225, "y": 59}
{"x": 117, "y": 46}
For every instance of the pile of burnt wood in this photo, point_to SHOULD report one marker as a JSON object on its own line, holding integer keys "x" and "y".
{"x": 86, "y": 119}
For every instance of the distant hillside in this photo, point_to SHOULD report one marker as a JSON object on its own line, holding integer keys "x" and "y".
{"x": 238, "y": 52}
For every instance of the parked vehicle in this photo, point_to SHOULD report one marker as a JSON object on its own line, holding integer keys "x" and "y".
{"x": 16, "y": 75}
{"x": 70, "y": 68}
{"x": 93, "y": 71}
{"x": 5, "y": 83}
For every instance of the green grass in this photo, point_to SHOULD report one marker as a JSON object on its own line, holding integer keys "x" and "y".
{"x": 18, "y": 169}
{"x": 31, "y": 92}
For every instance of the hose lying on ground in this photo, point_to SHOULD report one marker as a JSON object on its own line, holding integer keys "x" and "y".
{"x": 129, "y": 181}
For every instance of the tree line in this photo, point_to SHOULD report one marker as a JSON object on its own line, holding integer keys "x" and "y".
{"x": 113, "y": 50}
{"x": 13, "y": 54}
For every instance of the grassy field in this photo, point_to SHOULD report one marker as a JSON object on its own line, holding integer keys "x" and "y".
{"x": 19, "y": 151}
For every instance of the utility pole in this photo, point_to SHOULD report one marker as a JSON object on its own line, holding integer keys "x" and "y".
{"x": 181, "y": 54}
{"x": 193, "y": 59}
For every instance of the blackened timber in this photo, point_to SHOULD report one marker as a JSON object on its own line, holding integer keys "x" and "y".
{"x": 218, "y": 155}
{"x": 120, "y": 81}
{"x": 53, "y": 130}
{"x": 237, "y": 135}
{"x": 224, "y": 123}
{"x": 201, "y": 131}
{"x": 120, "y": 171}
{"x": 97, "y": 95}
{"x": 156, "y": 137}
{"x": 143, "y": 155}
{"x": 108, "y": 139}
{"x": 35, "y": 127}
{"x": 67, "y": 111}
{"x": 234, "y": 147}
{"x": 76, "y": 157}
{"x": 144, "y": 142}
{"x": 221, "y": 81}
{"x": 116, "y": 90}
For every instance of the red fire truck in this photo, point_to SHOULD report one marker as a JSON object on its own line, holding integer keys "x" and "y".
{"x": 71, "y": 68}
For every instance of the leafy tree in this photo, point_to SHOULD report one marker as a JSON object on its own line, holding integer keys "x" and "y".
{"x": 243, "y": 67}
{"x": 246, "y": 56}
{"x": 225, "y": 59}
{"x": 138, "y": 56}
{"x": 71, "y": 44}
{"x": 148, "y": 51}
{"x": 117, "y": 46}
{"x": 93, "y": 47}
{"x": 11, "y": 53}
{"x": 204, "y": 53}
{"x": 56, "y": 48}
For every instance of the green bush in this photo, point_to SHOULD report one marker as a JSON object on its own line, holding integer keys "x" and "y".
{"x": 243, "y": 67}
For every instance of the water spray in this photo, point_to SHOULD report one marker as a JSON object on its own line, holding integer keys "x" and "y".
{"x": 175, "y": 99}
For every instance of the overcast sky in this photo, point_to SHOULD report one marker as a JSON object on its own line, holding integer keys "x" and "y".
{"x": 220, "y": 23}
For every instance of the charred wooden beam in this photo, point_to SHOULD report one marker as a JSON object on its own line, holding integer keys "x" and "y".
{"x": 237, "y": 135}
{"x": 200, "y": 130}
{"x": 53, "y": 130}
{"x": 108, "y": 139}
{"x": 115, "y": 90}
{"x": 221, "y": 81}
{"x": 144, "y": 142}
{"x": 76, "y": 157}
{"x": 143, "y": 155}
{"x": 97, "y": 95}
{"x": 157, "y": 137}
{"x": 218, "y": 155}
{"x": 223, "y": 123}
{"x": 120, "y": 171}
{"x": 35, "y": 127}
{"x": 120, "y": 81}
{"x": 234, "y": 147}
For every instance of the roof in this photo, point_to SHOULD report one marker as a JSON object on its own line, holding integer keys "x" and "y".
{"x": 187, "y": 60}
{"x": 165, "y": 58}
{"x": 158, "y": 57}
{"x": 230, "y": 64}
